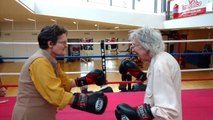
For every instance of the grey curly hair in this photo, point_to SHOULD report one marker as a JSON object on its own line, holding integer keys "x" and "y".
{"x": 149, "y": 38}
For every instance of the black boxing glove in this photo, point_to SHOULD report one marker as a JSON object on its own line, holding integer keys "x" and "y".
{"x": 139, "y": 87}
{"x": 129, "y": 66}
{"x": 141, "y": 112}
{"x": 95, "y": 76}
{"x": 94, "y": 103}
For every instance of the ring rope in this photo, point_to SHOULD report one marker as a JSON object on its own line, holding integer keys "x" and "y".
{"x": 89, "y": 56}
{"x": 113, "y": 56}
{"x": 107, "y": 43}
{"x": 189, "y": 54}
{"x": 112, "y": 71}
{"x": 139, "y": 82}
{"x": 126, "y": 82}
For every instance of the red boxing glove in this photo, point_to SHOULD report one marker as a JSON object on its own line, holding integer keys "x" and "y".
{"x": 95, "y": 76}
{"x": 130, "y": 66}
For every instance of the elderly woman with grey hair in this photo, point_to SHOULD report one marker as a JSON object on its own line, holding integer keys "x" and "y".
{"x": 163, "y": 94}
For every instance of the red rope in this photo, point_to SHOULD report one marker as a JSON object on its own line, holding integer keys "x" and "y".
{"x": 127, "y": 82}
{"x": 196, "y": 79}
{"x": 8, "y": 86}
{"x": 124, "y": 82}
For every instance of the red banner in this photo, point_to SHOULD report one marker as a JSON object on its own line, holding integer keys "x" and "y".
{"x": 188, "y": 8}
{"x": 192, "y": 12}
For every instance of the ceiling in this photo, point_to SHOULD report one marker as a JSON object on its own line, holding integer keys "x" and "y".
{"x": 12, "y": 10}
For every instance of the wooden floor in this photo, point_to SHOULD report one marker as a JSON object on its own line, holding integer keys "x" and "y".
{"x": 111, "y": 64}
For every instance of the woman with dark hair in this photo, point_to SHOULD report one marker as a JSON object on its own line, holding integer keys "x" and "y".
{"x": 44, "y": 87}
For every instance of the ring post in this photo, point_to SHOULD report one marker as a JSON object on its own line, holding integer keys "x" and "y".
{"x": 103, "y": 57}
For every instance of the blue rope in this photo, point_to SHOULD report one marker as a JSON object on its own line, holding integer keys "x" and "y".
{"x": 190, "y": 54}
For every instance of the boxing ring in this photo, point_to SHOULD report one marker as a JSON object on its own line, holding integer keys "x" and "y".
{"x": 196, "y": 104}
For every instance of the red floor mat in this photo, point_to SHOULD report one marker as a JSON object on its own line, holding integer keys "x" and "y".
{"x": 197, "y": 105}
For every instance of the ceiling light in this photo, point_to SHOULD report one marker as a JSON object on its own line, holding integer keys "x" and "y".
{"x": 7, "y": 19}
{"x": 31, "y": 19}
{"x": 25, "y": 6}
{"x": 209, "y": 27}
{"x": 53, "y": 20}
{"x": 116, "y": 27}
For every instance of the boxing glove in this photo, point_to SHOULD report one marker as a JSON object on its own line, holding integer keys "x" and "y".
{"x": 125, "y": 112}
{"x": 129, "y": 66}
{"x": 95, "y": 76}
{"x": 94, "y": 103}
{"x": 139, "y": 87}
{"x": 106, "y": 88}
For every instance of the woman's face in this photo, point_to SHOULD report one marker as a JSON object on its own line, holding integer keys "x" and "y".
{"x": 142, "y": 53}
{"x": 59, "y": 48}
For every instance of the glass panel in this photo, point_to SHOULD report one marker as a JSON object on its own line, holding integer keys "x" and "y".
{"x": 144, "y": 6}
{"x": 122, "y": 3}
{"x": 104, "y": 2}
{"x": 159, "y": 2}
